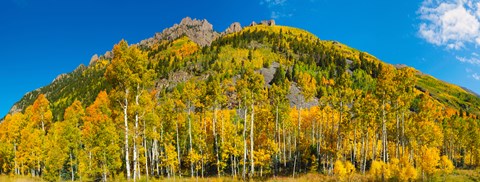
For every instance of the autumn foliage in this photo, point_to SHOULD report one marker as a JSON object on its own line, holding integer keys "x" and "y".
{"x": 263, "y": 102}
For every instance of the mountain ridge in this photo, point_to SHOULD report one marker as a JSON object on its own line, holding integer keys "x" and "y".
{"x": 201, "y": 33}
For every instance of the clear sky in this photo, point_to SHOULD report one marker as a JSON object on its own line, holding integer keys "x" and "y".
{"x": 42, "y": 39}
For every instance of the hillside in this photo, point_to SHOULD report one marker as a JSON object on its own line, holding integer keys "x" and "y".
{"x": 64, "y": 90}
{"x": 196, "y": 102}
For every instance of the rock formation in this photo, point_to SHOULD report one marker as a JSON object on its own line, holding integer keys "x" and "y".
{"x": 233, "y": 28}
{"x": 264, "y": 22}
{"x": 271, "y": 22}
{"x": 199, "y": 31}
{"x": 93, "y": 60}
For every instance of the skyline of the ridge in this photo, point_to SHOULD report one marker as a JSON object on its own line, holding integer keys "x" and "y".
{"x": 41, "y": 40}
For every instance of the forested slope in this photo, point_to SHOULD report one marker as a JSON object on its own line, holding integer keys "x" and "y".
{"x": 170, "y": 106}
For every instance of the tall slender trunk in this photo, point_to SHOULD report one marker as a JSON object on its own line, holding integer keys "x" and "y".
{"x": 320, "y": 138}
{"x": 215, "y": 138}
{"x": 89, "y": 160}
{"x": 366, "y": 154}
{"x": 104, "y": 166}
{"x": 71, "y": 166}
{"x": 362, "y": 153}
{"x": 403, "y": 132}
{"x": 178, "y": 147}
{"x": 125, "y": 117}
{"x": 397, "y": 149}
{"x": 244, "y": 144}
{"x": 205, "y": 132}
{"x": 190, "y": 137}
{"x": 284, "y": 135}
{"x": 221, "y": 141}
{"x": 252, "y": 163}
{"x": 162, "y": 149}
{"x": 155, "y": 155}
{"x": 135, "y": 137}
{"x": 146, "y": 148}
{"x": 339, "y": 139}
{"x": 235, "y": 165}
{"x": 135, "y": 164}
{"x": 15, "y": 158}
{"x": 313, "y": 131}
{"x": 277, "y": 140}
{"x": 295, "y": 140}
{"x": 384, "y": 133}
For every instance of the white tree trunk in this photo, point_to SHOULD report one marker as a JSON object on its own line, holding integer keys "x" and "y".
{"x": 135, "y": 148}
{"x": 251, "y": 140}
{"x": 244, "y": 144}
{"x": 125, "y": 117}
{"x": 190, "y": 137}
{"x": 215, "y": 138}
{"x": 146, "y": 149}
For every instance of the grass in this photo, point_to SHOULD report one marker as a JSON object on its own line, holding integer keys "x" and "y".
{"x": 5, "y": 178}
{"x": 457, "y": 175}
{"x": 461, "y": 175}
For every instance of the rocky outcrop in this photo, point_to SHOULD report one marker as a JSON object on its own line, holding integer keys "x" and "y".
{"x": 59, "y": 77}
{"x": 264, "y": 22}
{"x": 268, "y": 73}
{"x": 268, "y": 22}
{"x": 93, "y": 60}
{"x": 400, "y": 66}
{"x": 15, "y": 109}
{"x": 233, "y": 28}
{"x": 271, "y": 23}
{"x": 107, "y": 55}
{"x": 199, "y": 31}
{"x": 297, "y": 99}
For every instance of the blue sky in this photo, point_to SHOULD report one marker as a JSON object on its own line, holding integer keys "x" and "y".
{"x": 42, "y": 39}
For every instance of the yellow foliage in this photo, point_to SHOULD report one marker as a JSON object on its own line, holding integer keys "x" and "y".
{"x": 308, "y": 85}
{"x": 428, "y": 160}
{"x": 339, "y": 170}
{"x": 184, "y": 47}
{"x": 446, "y": 165}
{"x": 343, "y": 169}
{"x": 393, "y": 165}
{"x": 405, "y": 170}
{"x": 379, "y": 169}
{"x": 349, "y": 167}
{"x": 314, "y": 166}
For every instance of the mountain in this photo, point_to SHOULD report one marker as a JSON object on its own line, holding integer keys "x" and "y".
{"x": 85, "y": 82}
{"x": 191, "y": 101}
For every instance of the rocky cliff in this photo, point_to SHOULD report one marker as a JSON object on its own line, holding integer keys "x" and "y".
{"x": 199, "y": 31}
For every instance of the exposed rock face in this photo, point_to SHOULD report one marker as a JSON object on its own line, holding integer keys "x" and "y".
{"x": 271, "y": 22}
{"x": 107, "y": 55}
{"x": 94, "y": 59}
{"x": 400, "y": 66}
{"x": 269, "y": 72}
{"x": 15, "y": 109}
{"x": 199, "y": 31}
{"x": 233, "y": 28}
{"x": 297, "y": 99}
{"x": 59, "y": 77}
{"x": 264, "y": 22}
